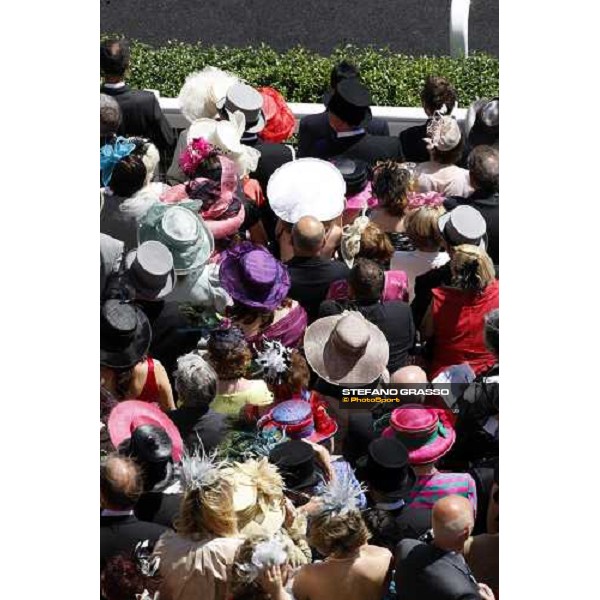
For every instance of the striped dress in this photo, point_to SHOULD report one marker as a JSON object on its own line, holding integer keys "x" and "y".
{"x": 430, "y": 488}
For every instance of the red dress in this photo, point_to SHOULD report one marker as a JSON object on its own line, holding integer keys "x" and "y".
{"x": 149, "y": 392}
{"x": 458, "y": 328}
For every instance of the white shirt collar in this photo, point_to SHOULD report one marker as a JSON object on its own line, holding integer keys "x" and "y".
{"x": 114, "y": 86}
{"x": 346, "y": 134}
{"x": 107, "y": 512}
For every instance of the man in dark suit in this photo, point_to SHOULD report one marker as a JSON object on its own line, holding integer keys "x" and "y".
{"x": 438, "y": 571}
{"x": 437, "y": 94}
{"x": 316, "y": 127}
{"x": 484, "y": 171}
{"x": 348, "y": 114}
{"x": 120, "y": 488}
{"x": 141, "y": 115}
{"x": 311, "y": 274}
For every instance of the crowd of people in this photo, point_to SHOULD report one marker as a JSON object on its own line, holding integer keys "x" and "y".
{"x": 248, "y": 274}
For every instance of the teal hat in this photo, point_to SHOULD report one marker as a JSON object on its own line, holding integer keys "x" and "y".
{"x": 182, "y": 231}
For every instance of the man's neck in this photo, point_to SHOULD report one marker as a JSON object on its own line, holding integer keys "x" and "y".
{"x": 113, "y": 80}
{"x": 300, "y": 254}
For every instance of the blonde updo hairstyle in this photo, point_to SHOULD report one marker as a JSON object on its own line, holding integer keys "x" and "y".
{"x": 421, "y": 226}
{"x": 472, "y": 268}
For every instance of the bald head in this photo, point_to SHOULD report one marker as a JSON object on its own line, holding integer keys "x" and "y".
{"x": 308, "y": 237}
{"x": 410, "y": 374}
{"x": 452, "y": 520}
{"x": 120, "y": 483}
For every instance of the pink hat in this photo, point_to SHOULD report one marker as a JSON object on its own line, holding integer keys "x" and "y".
{"x": 127, "y": 416}
{"x": 424, "y": 431}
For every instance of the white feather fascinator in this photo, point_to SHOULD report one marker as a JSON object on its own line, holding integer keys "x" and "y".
{"x": 273, "y": 552}
{"x": 274, "y": 360}
{"x": 200, "y": 470}
{"x": 202, "y": 90}
{"x": 341, "y": 495}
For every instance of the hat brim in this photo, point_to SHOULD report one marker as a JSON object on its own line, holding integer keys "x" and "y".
{"x": 336, "y": 368}
{"x": 144, "y": 293}
{"x": 402, "y": 491}
{"x": 315, "y": 436}
{"x": 430, "y": 452}
{"x": 444, "y": 220}
{"x": 124, "y": 358}
{"x": 129, "y": 414}
{"x": 233, "y": 283}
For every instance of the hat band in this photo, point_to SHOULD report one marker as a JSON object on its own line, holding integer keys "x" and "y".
{"x": 413, "y": 443}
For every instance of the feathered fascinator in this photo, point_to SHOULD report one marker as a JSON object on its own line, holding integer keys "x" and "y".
{"x": 432, "y": 199}
{"x": 351, "y": 237}
{"x": 202, "y": 90}
{"x": 274, "y": 360}
{"x": 200, "y": 470}
{"x": 266, "y": 554}
{"x": 341, "y": 495}
{"x": 443, "y": 132}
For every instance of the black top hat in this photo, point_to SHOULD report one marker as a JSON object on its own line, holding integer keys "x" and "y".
{"x": 296, "y": 463}
{"x": 355, "y": 173}
{"x": 350, "y": 102}
{"x": 125, "y": 334}
{"x": 386, "y": 468}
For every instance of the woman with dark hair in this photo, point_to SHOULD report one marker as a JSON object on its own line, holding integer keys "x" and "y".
{"x": 130, "y": 577}
{"x": 453, "y": 324}
{"x": 127, "y": 168}
{"x": 440, "y": 173}
{"x": 391, "y": 185}
{"x": 230, "y": 356}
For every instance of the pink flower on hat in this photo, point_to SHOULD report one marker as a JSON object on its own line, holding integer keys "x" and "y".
{"x": 417, "y": 200}
{"x": 196, "y": 152}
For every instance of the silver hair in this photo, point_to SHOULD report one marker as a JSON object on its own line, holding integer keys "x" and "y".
{"x": 195, "y": 381}
{"x": 110, "y": 115}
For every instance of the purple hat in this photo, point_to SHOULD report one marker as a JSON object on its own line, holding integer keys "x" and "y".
{"x": 254, "y": 277}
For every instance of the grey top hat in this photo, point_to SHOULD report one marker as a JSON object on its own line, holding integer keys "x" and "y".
{"x": 182, "y": 231}
{"x": 244, "y": 98}
{"x": 463, "y": 225}
{"x": 150, "y": 270}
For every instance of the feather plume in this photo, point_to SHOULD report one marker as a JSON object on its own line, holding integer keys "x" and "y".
{"x": 199, "y": 470}
{"x": 266, "y": 554}
{"x": 342, "y": 494}
{"x": 274, "y": 360}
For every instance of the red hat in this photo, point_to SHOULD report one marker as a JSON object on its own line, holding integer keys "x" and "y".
{"x": 301, "y": 420}
{"x": 280, "y": 119}
{"x": 127, "y": 416}
{"x": 426, "y": 432}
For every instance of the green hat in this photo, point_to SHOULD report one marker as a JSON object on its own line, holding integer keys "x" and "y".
{"x": 182, "y": 231}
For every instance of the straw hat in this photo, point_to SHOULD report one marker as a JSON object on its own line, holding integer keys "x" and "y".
{"x": 307, "y": 187}
{"x": 346, "y": 349}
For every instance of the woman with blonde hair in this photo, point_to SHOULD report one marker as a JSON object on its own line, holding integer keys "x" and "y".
{"x": 421, "y": 224}
{"x": 453, "y": 324}
{"x": 391, "y": 185}
{"x": 196, "y": 558}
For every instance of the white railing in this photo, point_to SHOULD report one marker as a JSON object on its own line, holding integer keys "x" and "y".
{"x": 398, "y": 118}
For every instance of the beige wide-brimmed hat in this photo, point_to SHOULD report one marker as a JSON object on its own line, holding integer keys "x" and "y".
{"x": 346, "y": 349}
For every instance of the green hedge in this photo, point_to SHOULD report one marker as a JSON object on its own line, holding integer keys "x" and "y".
{"x": 302, "y": 75}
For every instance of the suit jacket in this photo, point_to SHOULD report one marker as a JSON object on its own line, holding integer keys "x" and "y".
{"x": 424, "y": 572}
{"x": 488, "y": 206}
{"x": 156, "y": 507}
{"x": 120, "y": 534}
{"x": 142, "y": 116}
{"x": 111, "y": 253}
{"x": 413, "y": 146}
{"x": 200, "y": 425}
{"x": 316, "y": 127}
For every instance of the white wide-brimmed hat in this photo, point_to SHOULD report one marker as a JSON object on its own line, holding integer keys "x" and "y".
{"x": 307, "y": 187}
{"x": 226, "y": 136}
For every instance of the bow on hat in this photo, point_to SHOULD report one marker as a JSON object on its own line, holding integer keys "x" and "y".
{"x": 111, "y": 154}
{"x": 430, "y": 199}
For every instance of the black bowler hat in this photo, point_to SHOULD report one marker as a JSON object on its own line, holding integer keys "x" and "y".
{"x": 125, "y": 334}
{"x": 386, "y": 468}
{"x": 296, "y": 463}
{"x": 351, "y": 102}
{"x": 355, "y": 173}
